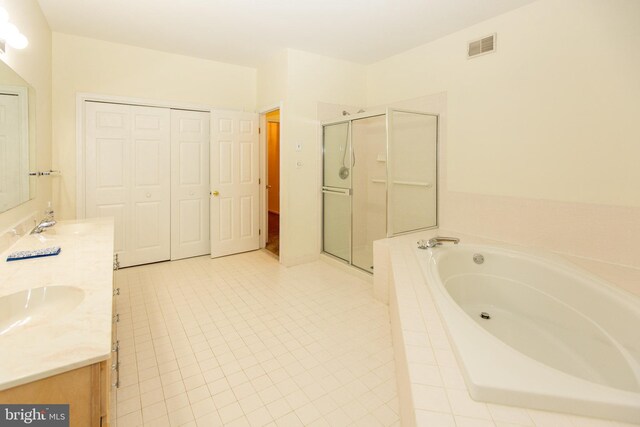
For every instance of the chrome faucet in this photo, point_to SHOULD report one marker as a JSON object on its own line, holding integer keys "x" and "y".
{"x": 437, "y": 241}
{"x": 47, "y": 222}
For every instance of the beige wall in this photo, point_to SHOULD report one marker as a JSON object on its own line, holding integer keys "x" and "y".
{"x": 272, "y": 77}
{"x": 551, "y": 115}
{"x": 543, "y": 129}
{"x": 34, "y": 65}
{"x": 313, "y": 80}
{"x": 307, "y": 86}
{"x": 87, "y": 65}
{"x": 540, "y": 142}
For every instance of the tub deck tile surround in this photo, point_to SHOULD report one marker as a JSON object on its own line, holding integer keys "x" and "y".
{"x": 431, "y": 388}
{"x": 244, "y": 341}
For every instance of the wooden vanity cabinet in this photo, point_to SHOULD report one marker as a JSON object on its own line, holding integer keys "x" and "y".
{"x": 86, "y": 390}
{"x": 89, "y": 391}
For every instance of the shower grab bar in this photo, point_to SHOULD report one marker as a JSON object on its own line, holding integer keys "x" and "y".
{"x": 412, "y": 183}
{"x": 339, "y": 191}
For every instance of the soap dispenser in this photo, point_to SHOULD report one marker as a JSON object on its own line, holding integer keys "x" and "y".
{"x": 48, "y": 213}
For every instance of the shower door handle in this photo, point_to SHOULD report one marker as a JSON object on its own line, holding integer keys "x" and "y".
{"x": 337, "y": 191}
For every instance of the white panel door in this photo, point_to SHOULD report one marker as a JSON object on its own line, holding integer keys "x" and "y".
{"x": 127, "y": 177}
{"x": 235, "y": 187}
{"x": 151, "y": 194}
{"x": 189, "y": 184}
{"x": 108, "y": 170}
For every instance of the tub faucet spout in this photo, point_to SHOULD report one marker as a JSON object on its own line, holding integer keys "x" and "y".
{"x": 437, "y": 241}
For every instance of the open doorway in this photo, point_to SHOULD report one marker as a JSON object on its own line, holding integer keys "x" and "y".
{"x": 273, "y": 182}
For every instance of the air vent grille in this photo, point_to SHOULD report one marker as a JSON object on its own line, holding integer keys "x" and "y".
{"x": 482, "y": 46}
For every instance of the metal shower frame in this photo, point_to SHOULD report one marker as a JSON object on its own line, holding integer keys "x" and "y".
{"x": 388, "y": 126}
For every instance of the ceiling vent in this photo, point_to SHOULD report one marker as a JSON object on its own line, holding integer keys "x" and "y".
{"x": 482, "y": 46}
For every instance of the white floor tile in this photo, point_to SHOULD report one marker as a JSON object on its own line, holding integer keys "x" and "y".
{"x": 203, "y": 407}
{"x": 230, "y": 412}
{"x": 242, "y": 340}
{"x": 259, "y": 417}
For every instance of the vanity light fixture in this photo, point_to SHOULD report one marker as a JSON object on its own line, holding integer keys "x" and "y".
{"x": 9, "y": 33}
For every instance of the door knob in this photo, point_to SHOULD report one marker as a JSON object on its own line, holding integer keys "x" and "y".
{"x": 215, "y": 193}
{"x": 268, "y": 187}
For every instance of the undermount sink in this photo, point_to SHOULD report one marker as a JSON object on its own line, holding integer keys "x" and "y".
{"x": 74, "y": 228}
{"x": 34, "y": 306}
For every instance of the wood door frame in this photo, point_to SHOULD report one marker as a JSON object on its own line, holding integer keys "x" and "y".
{"x": 81, "y": 98}
{"x": 264, "y": 162}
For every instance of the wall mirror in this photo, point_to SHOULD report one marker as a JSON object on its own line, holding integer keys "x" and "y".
{"x": 17, "y": 139}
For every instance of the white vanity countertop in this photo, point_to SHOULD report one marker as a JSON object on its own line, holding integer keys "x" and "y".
{"x": 79, "y": 337}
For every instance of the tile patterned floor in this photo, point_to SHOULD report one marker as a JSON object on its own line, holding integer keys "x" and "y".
{"x": 243, "y": 341}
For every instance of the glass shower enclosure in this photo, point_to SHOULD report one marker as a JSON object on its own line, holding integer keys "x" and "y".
{"x": 379, "y": 180}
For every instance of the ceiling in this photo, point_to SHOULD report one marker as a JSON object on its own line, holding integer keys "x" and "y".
{"x": 247, "y": 32}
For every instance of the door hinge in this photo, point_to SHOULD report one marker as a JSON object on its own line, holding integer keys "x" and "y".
{"x": 259, "y": 181}
{"x": 259, "y": 131}
{"x": 259, "y": 232}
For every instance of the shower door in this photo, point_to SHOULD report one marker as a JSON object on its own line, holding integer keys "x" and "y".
{"x": 379, "y": 180}
{"x": 412, "y": 171}
{"x": 336, "y": 191}
{"x": 369, "y": 198}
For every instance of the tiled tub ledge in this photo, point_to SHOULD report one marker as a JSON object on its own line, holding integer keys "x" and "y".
{"x": 431, "y": 388}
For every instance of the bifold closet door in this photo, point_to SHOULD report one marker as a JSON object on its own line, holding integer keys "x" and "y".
{"x": 189, "y": 184}
{"x": 127, "y": 167}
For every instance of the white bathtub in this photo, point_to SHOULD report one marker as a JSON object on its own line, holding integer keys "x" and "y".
{"x": 557, "y": 339}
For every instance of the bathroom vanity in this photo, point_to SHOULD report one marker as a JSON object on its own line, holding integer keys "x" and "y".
{"x": 58, "y": 341}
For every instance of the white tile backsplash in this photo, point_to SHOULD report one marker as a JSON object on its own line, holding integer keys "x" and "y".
{"x": 11, "y": 235}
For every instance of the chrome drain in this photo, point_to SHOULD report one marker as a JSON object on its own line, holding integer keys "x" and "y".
{"x": 485, "y": 315}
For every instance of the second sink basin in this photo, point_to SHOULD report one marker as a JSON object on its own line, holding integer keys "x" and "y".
{"x": 33, "y": 306}
{"x": 74, "y": 228}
